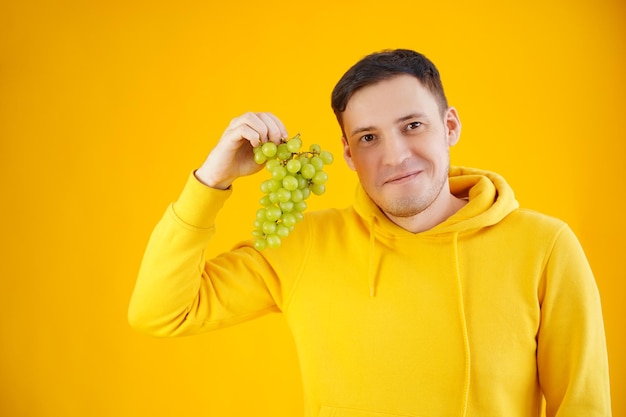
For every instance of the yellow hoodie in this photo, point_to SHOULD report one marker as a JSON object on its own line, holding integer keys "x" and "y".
{"x": 478, "y": 316}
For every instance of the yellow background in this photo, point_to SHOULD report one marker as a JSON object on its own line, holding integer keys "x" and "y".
{"x": 106, "y": 106}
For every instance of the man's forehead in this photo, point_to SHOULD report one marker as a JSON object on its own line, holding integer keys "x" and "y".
{"x": 399, "y": 88}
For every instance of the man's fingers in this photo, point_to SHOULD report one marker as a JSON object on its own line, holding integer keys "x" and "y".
{"x": 251, "y": 135}
{"x": 259, "y": 128}
{"x": 276, "y": 131}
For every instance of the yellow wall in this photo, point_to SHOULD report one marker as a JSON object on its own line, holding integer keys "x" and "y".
{"x": 106, "y": 106}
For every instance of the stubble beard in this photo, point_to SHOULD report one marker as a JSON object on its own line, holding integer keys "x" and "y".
{"x": 413, "y": 204}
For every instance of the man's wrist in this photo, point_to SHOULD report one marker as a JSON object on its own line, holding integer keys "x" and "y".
{"x": 206, "y": 179}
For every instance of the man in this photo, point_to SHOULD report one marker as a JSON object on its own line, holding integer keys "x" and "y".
{"x": 433, "y": 295}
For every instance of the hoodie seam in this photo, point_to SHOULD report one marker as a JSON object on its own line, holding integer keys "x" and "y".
{"x": 305, "y": 257}
{"x": 188, "y": 226}
{"x": 372, "y": 281}
{"x": 543, "y": 285}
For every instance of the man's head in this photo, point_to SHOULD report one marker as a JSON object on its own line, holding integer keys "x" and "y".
{"x": 383, "y": 65}
{"x": 397, "y": 129}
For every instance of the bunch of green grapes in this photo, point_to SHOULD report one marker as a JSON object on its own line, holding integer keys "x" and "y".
{"x": 295, "y": 175}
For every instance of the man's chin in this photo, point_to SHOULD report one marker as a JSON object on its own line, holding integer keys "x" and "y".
{"x": 403, "y": 208}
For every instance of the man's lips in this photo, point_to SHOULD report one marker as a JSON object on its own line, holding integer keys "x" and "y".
{"x": 402, "y": 177}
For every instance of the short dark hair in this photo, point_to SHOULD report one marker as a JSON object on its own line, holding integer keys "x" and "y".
{"x": 383, "y": 65}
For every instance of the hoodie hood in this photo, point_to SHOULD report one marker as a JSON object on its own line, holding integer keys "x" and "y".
{"x": 490, "y": 199}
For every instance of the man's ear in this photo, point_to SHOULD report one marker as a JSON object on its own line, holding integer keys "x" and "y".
{"x": 453, "y": 126}
{"x": 347, "y": 154}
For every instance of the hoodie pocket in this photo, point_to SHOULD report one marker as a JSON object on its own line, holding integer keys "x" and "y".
{"x": 329, "y": 411}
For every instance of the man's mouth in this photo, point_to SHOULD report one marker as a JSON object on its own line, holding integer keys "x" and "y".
{"x": 403, "y": 177}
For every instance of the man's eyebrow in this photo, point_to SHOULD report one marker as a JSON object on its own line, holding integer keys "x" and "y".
{"x": 361, "y": 129}
{"x": 411, "y": 116}
{"x": 399, "y": 120}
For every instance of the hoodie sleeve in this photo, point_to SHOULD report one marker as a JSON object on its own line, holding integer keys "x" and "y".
{"x": 571, "y": 352}
{"x": 178, "y": 292}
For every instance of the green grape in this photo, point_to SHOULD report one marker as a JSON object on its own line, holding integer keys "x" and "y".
{"x": 318, "y": 189}
{"x": 289, "y": 183}
{"x": 320, "y": 177}
{"x": 293, "y": 166}
{"x": 273, "y": 184}
{"x": 265, "y": 201}
{"x": 273, "y": 213}
{"x": 273, "y": 197}
{"x": 265, "y": 187}
{"x": 269, "y": 227}
{"x": 308, "y": 171}
{"x": 294, "y": 144}
{"x": 302, "y": 182}
{"x": 282, "y": 152}
{"x": 300, "y": 206}
{"x": 288, "y": 219}
{"x": 271, "y": 164}
{"x": 295, "y": 174}
{"x": 326, "y": 157}
{"x": 259, "y": 158}
{"x": 286, "y": 206}
{"x": 297, "y": 195}
{"x": 283, "y": 195}
{"x": 317, "y": 162}
{"x": 279, "y": 172}
{"x": 282, "y": 231}
{"x": 269, "y": 149}
{"x": 273, "y": 241}
{"x": 260, "y": 243}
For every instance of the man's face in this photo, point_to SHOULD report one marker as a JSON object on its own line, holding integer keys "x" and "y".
{"x": 398, "y": 143}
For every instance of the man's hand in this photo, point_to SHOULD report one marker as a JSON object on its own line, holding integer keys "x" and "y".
{"x": 232, "y": 157}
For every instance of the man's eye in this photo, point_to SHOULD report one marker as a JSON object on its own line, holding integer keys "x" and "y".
{"x": 367, "y": 138}
{"x": 413, "y": 125}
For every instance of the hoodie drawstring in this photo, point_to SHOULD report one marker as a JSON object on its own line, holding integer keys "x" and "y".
{"x": 464, "y": 324}
{"x": 461, "y": 304}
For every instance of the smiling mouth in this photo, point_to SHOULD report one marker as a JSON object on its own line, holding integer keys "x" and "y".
{"x": 402, "y": 178}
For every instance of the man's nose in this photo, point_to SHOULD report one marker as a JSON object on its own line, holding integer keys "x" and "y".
{"x": 396, "y": 149}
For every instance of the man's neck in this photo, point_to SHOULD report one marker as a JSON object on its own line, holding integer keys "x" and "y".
{"x": 444, "y": 206}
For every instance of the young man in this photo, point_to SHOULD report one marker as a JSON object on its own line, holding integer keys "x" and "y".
{"x": 455, "y": 302}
